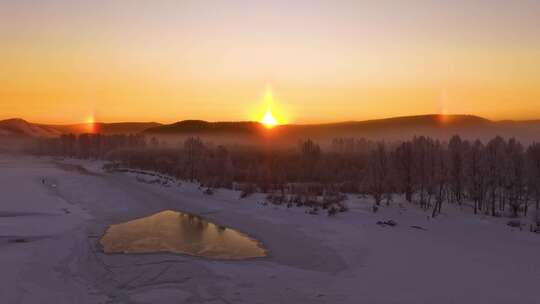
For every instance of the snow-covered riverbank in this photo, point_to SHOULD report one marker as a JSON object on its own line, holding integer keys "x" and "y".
{"x": 51, "y": 219}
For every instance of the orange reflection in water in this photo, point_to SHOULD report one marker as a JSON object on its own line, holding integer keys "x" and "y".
{"x": 177, "y": 232}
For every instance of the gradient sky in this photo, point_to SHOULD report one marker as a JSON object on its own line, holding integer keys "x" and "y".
{"x": 64, "y": 61}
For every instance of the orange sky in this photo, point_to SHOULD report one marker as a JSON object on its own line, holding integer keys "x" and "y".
{"x": 66, "y": 61}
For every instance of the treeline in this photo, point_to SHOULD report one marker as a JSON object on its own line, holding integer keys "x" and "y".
{"x": 498, "y": 177}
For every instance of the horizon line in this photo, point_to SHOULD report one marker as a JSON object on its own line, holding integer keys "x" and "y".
{"x": 248, "y": 120}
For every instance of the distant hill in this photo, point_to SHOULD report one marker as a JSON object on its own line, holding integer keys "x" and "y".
{"x": 438, "y": 126}
{"x": 17, "y": 127}
{"x": 208, "y": 128}
{"x": 105, "y": 128}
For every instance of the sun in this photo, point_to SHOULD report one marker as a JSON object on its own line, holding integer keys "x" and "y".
{"x": 272, "y": 116}
{"x": 268, "y": 119}
{"x": 90, "y": 124}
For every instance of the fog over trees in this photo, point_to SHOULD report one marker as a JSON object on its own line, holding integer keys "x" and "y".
{"x": 500, "y": 177}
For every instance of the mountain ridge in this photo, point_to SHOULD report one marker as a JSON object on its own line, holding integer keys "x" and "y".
{"x": 105, "y": 128}
{"x": 393, "y": 128}
{"x": 440, "y": 126}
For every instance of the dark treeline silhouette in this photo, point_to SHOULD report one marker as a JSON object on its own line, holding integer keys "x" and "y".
{"x": 500, "y": 177}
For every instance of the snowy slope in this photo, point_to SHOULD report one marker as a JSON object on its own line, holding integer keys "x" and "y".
{"x": 459, "y": 258}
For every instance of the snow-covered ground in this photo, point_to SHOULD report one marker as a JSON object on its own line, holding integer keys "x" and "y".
{"x": 51, "y": 219}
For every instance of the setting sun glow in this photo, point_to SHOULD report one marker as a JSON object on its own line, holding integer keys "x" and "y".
{"x": 268, "y": 120}
{"x": 90, "y": 124}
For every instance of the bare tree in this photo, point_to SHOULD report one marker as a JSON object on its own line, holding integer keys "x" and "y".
{"x": 421, "y": 168}
{"x": 439, "y": 176}
{"x": 456, "y": 149}
{"x": 310, "y": 153}
{"x": 404, "y": 169}
{"x": 476, "y": 174}
{"x": 495, "y": 165}
{"x": 377, "y": 173}
{"x": 515, "y": 179}
{"x": 194, "y": 148}
{"x": 533, "y": 165}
